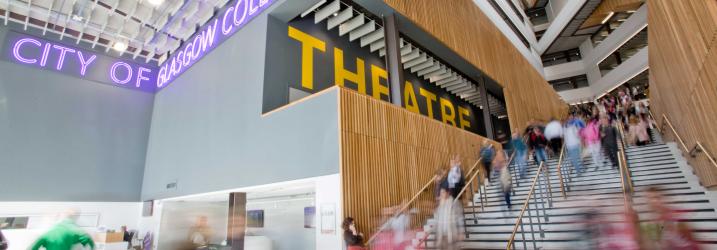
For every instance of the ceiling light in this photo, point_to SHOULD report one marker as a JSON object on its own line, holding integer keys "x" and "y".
{"x": 77, "y": 18}
{"x": 119, "y": 46}
{"x": 336, "y": 14}
{"x": 609, "y": 15}
{"x": 631, "y": 11}
{"x": 155, "y": 2}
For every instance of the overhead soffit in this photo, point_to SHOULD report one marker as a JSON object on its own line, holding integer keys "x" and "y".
{"x": 607, "y": 6}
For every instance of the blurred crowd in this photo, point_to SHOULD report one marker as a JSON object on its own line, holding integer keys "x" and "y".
{"x": 591, "y": 130}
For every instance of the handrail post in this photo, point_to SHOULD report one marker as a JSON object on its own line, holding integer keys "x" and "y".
{"x": 519, "y": 221}
{"x": 549, "y": 194}
{"x": 560, "y": 169}
{"x": 541, "y": 192}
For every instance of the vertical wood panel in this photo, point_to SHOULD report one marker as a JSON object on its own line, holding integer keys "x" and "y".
{"x": 463, "y": 27}
{"x": 382, "y": 169}
{"x": 683, "y": 73}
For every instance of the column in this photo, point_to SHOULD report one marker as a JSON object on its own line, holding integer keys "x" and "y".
{"x": 393, "y": 58}
{"x": 236, "y": 226}
{"x": 486, "y": 109}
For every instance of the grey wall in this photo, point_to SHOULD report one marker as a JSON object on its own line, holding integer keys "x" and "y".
{"x": 208, "y": 132}
{"x": 67, "y": 139}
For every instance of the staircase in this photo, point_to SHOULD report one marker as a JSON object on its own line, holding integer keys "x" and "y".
{"x": 657, "y": 164}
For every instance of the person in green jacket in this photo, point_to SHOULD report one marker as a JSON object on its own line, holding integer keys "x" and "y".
{"x": 64, "y": 236}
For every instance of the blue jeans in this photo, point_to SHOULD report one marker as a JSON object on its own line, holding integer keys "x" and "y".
{"x": 540, "y": 155}
{"x": 521, "y": 162}
{"x": 574, "y": 157}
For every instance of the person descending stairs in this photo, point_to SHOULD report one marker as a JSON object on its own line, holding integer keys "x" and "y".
{"x": 553, "y": 222}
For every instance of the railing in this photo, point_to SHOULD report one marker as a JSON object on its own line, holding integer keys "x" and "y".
{"x": 537, "y": 208}
{"x": 563, "y": 174}
{"x": 622, "y": 159}
{"x": 698, "y": 148}
{"x": 470, "y": 183}
{"x": 473, "y": 170}
{"x": 626, "y": 194}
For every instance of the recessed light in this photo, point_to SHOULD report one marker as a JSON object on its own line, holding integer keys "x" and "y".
{"x": 155, "y": 2}
{"x": 119, "y": 46}
{"x": 77, "y": 18}
{"x": 336, "y": 14}
{"x": 609, "y": 15}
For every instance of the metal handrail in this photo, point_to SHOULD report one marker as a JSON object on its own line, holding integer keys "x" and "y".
{"x": 470, "y": 182}
{"x": 525, "y": 206}
{"x": 623, "y": 165}
{"x": 692, "y": 152}
{"x": 622, "y": 155}
{"x": 408, "y": 204}
{"x": 560, "y": 175}
{"x": 699, "y": 148}
{"x": 666, "y": 120}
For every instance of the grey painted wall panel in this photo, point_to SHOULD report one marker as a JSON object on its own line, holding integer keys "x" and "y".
{"x": 67, "y": 139}
{"x": 208, "y": 133}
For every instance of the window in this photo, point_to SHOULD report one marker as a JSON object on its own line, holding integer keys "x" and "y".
{"x": 561, "y": 57}
{"x": 627, "y": 50}
{"x": 568, "y": 83}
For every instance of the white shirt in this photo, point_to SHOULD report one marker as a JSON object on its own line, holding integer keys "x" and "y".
{"x": 553, "y": 130}
{"x": 572, "y": 136}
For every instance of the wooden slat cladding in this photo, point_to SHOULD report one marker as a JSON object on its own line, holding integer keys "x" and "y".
{"x": 683, "y": 73}
{"x": 463, "y": 27}
{"x": 389, "y": 153}
{"x": 607, "y": 6}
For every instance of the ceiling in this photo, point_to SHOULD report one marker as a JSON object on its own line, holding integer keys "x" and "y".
{"x": 151, "y": 29}
{"x": 567, "y": 38}
{"x": 627, "y": 50}
{"x": 583, "y": 25}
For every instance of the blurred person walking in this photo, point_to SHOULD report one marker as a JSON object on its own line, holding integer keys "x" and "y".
{"x": 449, "y": 221}
{"x": 499, "y": 164}
{"x": 487, "y": 152}
{"x": 554, "y": 134}
{"x": 591, "y": 138}
{"x": 64, "y": 235}
{"x": 666, "y": 231}
{"x": 638, "y": 132}
{"x": 537, "y": 143}
{"x": 609, "y": 137}
{"x": 521, "y": 153}
{"x": 455, "y": 179}
{"x": 3, "y": 240}
{"x": 399, "y": 225}
{"x": 439, "y": 178}
{"x": 573, "y": 144}
{"x": 352, "y": 237}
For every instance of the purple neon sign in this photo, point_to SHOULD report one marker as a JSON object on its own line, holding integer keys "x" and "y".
{"x": 231, "y": 19}
{"x": 55, "y": 56}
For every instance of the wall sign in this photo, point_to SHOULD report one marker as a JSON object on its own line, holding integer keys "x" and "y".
{"x": 227, "y": 21}
{"x": 55, "y": 56}
{"x": 305, "y": 56}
